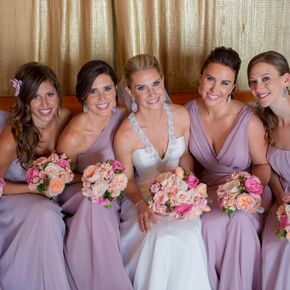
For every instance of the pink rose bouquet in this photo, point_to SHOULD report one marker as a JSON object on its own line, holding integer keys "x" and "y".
{"x": 104, "y": 182}
{"x": 179, "y": 194}
{"x": 242, "y": 191}
{"x": 49, "y": 175}
{"x": 283, "y": 215}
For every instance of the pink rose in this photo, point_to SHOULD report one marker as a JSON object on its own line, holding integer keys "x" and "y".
{"x": 101, "y": 201}
{"x": 117, "y": 165}
{"x": 63, "y": 163}
{"x": 283, "y": 221}
{"x": 32, "y": 175}
{"x": 155, "y": 188}
{"x": 2, "y": 186}
{"x": 182, "y": 209}
{"x": 286, "y": 198}
{"x": 192, "y": 181}
{"x": 254, "y": 186}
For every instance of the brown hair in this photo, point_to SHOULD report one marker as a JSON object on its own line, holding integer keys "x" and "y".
{"x": 276, "y": 59}
{"x": 140, "y": 62}
{"x": 225, "y": 56}
{"x": 24, "y": 131}
{"x": 87, "y": 75}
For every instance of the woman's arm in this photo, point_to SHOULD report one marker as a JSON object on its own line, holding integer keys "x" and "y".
{"x": 276, "y": 187}
{"x": 258, "y": 150}
{"x": 8, "y": 154}
{"x": 123, "y": 146}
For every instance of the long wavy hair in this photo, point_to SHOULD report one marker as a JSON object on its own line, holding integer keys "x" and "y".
{"x": 24, "y": 131}
{"x": 276, "y": 59}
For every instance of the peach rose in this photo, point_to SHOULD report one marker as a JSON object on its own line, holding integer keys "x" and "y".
{"x": 55, "y": 187}
{"x": 91, "y": 174}
{"x": 248, "y": 203}
{"x": 179, "y": 172}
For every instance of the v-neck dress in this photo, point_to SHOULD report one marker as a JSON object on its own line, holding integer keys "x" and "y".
{"x": 92, "y": 242}
{"x": 31, "y": 237}
{"x": 276, "y": 252}
{"x": 171, "y": 255}
{"x": 232, "y": 244}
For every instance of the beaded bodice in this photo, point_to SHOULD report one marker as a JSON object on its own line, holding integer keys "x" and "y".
{"x": 147, "y": 161}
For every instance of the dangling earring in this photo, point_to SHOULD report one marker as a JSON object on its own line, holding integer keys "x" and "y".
{"x": 134, "y": 107}
{"x": 229, "y": 98}
{"x": 85, "y": 108}
{"x": 285, "y": 92}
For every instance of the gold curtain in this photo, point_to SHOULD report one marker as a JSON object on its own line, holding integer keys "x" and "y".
{"x": 65, "y": 34}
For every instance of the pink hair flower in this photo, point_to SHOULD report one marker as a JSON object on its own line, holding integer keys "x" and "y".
{"x": 16, "y": 85}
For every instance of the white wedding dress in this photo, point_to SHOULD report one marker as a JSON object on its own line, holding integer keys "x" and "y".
{"x": 171, "y": 256}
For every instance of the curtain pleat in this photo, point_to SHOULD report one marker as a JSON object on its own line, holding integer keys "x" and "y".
{"x": 65, "y": 34}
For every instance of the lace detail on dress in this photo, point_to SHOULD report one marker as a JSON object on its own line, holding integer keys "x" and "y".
{"x": 172, "y": 143}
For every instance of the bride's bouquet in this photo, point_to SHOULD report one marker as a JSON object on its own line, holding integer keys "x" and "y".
{"x": 49, "y": 175}
{"x": 242, "y": 191}
{"x": 104, "y": 182}
{"x": 283, "y": 215}
{"x": 179, "y": 194}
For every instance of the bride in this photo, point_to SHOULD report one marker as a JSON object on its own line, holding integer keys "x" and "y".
{"x": 159, "y": 252}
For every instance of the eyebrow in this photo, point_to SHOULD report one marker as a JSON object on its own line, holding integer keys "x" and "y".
{"x": 208, "y": 75}
{"x": 147, "y": 84}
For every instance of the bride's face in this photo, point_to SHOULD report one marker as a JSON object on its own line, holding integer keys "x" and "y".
{"x": 147, "y": 87}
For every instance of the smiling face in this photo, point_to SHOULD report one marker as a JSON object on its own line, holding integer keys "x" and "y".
{"x": 44, "y": 105}
{"x": 266, "y": 83}
{"x": 216, "y": 83}
{"x": 147, "y": 87}
{"x": 102, "y": 96}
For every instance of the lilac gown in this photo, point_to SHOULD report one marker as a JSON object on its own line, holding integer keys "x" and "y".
{"x": 276, "y": 252}
{"x": 31, "y": 239}
{"x": 92, "y": 240}
{"x": 232, "y": 244}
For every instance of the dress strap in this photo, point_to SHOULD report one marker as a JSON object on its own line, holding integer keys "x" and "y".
{"x": 148, "y": 146}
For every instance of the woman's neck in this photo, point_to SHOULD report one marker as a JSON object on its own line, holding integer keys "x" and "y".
{"x": 94, "y": 122}
{"x": 151, "y": 116}
{"x": 281, "y": 109}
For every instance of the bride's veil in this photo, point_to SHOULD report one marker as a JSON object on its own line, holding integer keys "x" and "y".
{"x": 124, "y": 99}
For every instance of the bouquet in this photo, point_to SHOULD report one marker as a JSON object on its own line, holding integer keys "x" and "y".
{"x": 104, "y": 181}
{"x": 49, "y": 175}
{"x": 179, "y": 194}
{"x": 283, "y": 215}
{"x": 242, "y": 191}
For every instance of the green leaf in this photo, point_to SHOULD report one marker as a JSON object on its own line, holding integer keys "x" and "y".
{"x": 108, "y": 206}
{"x": 107, "y": 196}
{"x": 41, "y": 187}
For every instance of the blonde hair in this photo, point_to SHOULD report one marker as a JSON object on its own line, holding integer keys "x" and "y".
{"x": 140, "y": 62}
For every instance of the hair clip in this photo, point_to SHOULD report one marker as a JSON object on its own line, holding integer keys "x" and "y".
{"x": 16, "y": 85}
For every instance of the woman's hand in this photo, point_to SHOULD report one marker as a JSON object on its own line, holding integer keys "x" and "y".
{"x": 145, "y": 216}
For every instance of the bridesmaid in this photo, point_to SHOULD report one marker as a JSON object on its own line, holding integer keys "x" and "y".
{"x": 31, "y": 225}
{"x": 227, "y": 137}
{"x": 269, "y": 78}
{"x": 92, "y": 240}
